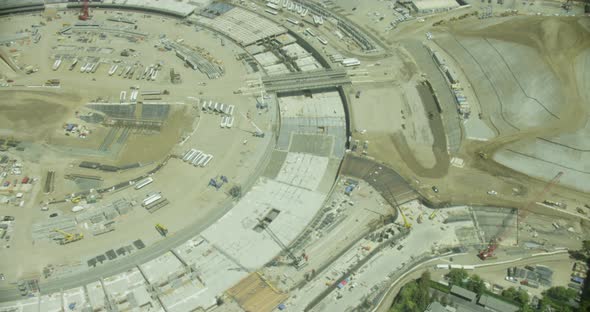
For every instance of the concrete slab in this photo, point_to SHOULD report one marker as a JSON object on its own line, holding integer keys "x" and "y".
{"x": 234, "y": 233}
{"x": 29, "y": 304}
{"x": 320, "y": 145}
{"x": 275, "y": 164}
{"x": 216, "y": 271}
{"x": 324, "y": 104}
{"x": 119, "y": 286}
{"x": 96, "y": 295}
{"x": 303, "y": 170}
{"x": 75, "y": 296}
{"x": 158, "y": 270}
{"x": 243, "y": 26}
{"x": 50, "y": 303}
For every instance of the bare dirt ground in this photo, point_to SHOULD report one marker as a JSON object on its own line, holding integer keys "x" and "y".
{"x": 557, "y": 41}
{"x": 36, "y": 116}
{"x": 32, "y": 115}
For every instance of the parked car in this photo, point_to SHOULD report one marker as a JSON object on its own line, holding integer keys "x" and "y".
{"x": 435, "y": 189}
{"x": 8, "y": 218}
{"x": 53, "y": 215}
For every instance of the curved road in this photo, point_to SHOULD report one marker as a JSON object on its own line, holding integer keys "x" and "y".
{"x": 385, "y": 304}
{"x": 141, "y": 256}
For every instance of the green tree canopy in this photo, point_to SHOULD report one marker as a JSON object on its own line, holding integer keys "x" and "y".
{"x": 475, "y": 284}
{"x": 414, "y": 296}
{"x": 560, "y": 293}
{"x": 518, "y": 295}
{"x": 457, "y": 276}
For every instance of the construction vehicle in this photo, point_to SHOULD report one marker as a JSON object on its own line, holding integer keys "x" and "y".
{"x": 488, "y": 252}
{"x": 76, "y": 199}
{"x": 432, "y": 215}
{"x": 258, "y": 133}
{"x": 161, "y": 229}
{"x": 69, "y": 237}
{"x": 482, "y": 155}
{"x": 84, "y": 16}
{"x": 407, "y": 224}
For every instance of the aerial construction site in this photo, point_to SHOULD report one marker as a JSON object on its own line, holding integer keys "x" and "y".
{"x": 294, "y": 155}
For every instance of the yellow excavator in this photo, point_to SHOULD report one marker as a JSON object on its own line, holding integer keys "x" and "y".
{"x": 161, "y": 229}
{"x": 69, "y": 237}
{"x": 432, "y": 215}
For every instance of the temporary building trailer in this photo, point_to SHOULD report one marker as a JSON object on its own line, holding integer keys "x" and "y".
{"x": 143, "y": 183}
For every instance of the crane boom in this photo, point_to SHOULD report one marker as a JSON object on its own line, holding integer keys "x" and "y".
{"x": 258, "y": 133}
{"x": 84, "y": 12}
{"x": 274, "y": 237}
{"x": 69, "y": 237}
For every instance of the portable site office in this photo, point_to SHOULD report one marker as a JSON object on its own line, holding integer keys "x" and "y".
{"x": 209, "y": 157}
{"x": 196, "y": 158}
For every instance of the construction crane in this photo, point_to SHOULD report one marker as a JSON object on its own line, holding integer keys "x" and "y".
{"x": 84, "y": 16}
{"x": 161, "y": 229}
{"x": 488, "y": 252}
{"x": 258, "y": 133}
{"x": 407, "y": 224}
{"x": 69, "y": 237}
{"x": 539, "y": 196}
{"x": 295, "y": 261}
{"x": 493, "y": 244}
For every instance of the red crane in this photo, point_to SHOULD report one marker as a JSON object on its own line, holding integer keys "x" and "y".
{"x": 493, "y": 244}
{"x": 488, "y": 251}
{"x": 84, "y": 12}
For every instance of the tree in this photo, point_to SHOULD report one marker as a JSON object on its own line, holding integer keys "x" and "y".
{"x": 526, "y": 308}
{"x": 517, "y": 295}
{"x": 457, "y": 276}
{"x": 235, "y": 191}
{"x": 560, "y": 293}
{"x": 414, "y": 296}
{"x": 476, "y": 284}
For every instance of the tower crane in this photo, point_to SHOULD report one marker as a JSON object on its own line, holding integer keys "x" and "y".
{"x": 84, "y": 12}
{"x": 69, "y": 237}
